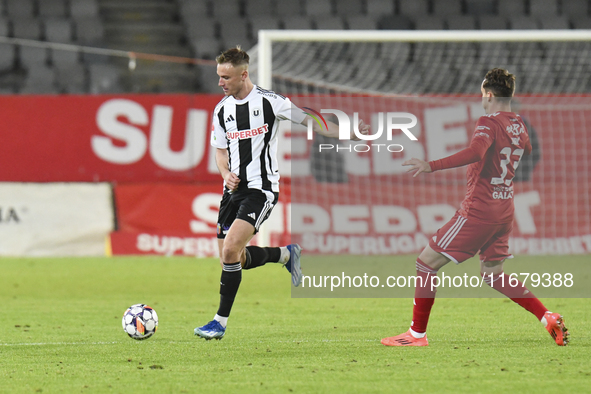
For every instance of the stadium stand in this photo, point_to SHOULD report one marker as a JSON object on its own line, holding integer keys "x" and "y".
{"x": 202, "y": 28}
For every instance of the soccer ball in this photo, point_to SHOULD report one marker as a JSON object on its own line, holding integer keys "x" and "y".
{"x": 140, "y": 321}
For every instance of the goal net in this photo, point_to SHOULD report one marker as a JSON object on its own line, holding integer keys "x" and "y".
{"x": 355, "y": 197}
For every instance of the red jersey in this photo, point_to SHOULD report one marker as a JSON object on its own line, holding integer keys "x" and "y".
{"x": 499, "y": 141}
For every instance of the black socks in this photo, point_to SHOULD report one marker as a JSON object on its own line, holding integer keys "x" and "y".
{"x": 257, "y": 256}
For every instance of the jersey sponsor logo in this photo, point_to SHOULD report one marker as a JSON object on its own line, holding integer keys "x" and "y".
{"x": 516, "y": 129}
{"x": 481, "y": 135}
{"x": 245, "y": 134}
{"x": 503, "y": 195}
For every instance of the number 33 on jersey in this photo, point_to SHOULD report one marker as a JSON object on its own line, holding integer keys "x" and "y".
{"x": 489, "y": 196}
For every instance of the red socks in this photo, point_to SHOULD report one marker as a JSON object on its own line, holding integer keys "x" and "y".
{"x": 518, "y": 294}
{"x": 424, "y": 298}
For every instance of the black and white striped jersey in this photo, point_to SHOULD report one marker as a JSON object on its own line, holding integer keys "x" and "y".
{"x": 248, "y": 130}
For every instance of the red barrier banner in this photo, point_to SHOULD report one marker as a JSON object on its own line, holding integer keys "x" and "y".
{"x": 130, "y": 243}
{"x": 168, "y": 218}
{"x": 107, "y": 138}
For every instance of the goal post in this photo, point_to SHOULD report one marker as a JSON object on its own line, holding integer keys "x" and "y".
{"x": 266, "y": 38}
{"x": 354, "y": 199}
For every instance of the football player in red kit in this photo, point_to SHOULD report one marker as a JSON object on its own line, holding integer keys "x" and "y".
{"x": 485, "y": 219}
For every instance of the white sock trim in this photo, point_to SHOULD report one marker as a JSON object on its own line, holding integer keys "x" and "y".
{"x": 284, "y": 255}
{"x": 222, "y": 320}
{"x": 417, "y": 335}
{"x": 543, "y": 319}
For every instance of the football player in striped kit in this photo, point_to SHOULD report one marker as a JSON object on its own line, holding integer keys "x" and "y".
{"x": 244, "y": 133}
{"x": 485, "y": 219}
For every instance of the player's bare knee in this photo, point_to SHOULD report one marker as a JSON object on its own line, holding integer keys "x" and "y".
{"x": 231, "y": 253}
{"x": 491, "y": 267}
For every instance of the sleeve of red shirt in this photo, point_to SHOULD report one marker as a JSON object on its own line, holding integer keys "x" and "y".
{"x": 528, "y": 148}
{"x": 481, "y": 140}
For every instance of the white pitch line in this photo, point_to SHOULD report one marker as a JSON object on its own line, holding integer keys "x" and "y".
{"x": 56, "y": 343}
{"x": 175, "y": 342}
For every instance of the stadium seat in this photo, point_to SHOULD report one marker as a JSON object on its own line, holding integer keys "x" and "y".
{"x": 329, "y": 23}
{"x": 288, "y": 8}
{"x": 64, "y": 59}
{"x": 58, "y": 30}
{"x": 71, "y": 79}
{"x": 4, "y": 27}
{"x": 297, "y": 23}
{"x": 263, "y": 23}
{"x": 523, "y": 23}
{"x": 362, "y": 22}
{"x": 207, "y": 47}
{"x": 191, "y": 10}
{"x": 480, "y": 7}
{"x": 358, "y": 52}
{"x": 575, "y": 8}
{"x": 20, "y": 8}
{"x": 104, "y": 78}
{"x": 232, "y": 41}
{"x": 7, "y": 56}
{"x": 32, "y": 56}
{"x": 461, "y": 22}
{"x": 225, "y": 8}
{"x": 256, "y": 8}
{"x": 200, "y": 28}
{"x": 492, "y": 22}
{"x": 40, "y": 80}
{"x": 415, "y": 8}
{"x": 315, "y": 8}
{"x": 543, "y": 8}
{"x": 84, "y": 9}
{"x": 52, "y": 8}
{"x": 26, "y": 27}
{"x": 461, "y": 54}
{"x": 234, "y": 27}
{"x": 395, "y": 22}
{"x": 491, "y": 52}
{"x": 428, "y": 53}
{"x": 529, "y": 50}
{"x": 554, "y": 22}
{"x": 379, "y": 8}
{"x": 582, "y": 22}
{"x": 208, "y": 79}
{"x": 510, "y": 8}
{"x": 395, "y": 53}
{"x": 429, "y": 22}
{"x": 447, "y": 7}
{"x": 89, "y": 31}
{"x": 349, "y": 8}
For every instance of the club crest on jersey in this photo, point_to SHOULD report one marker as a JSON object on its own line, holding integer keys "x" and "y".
{"x": 245, "y": 134}
{"x": 256, "y": 112}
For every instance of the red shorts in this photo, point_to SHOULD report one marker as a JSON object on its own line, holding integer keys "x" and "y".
{"x": 461, "y": 238}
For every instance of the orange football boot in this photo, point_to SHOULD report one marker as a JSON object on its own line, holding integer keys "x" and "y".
{"x": 405, "y": 339}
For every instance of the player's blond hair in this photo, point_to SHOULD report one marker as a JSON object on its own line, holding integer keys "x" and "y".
{"x": 235, "y": 56}
{"x": 500, "y": 82}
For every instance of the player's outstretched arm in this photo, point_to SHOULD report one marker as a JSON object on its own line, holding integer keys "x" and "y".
{"x": 418, "y": 166}
{"x": 333, "y": 128}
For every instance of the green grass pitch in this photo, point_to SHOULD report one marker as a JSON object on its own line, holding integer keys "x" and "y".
{"x": 60, "y": 331}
